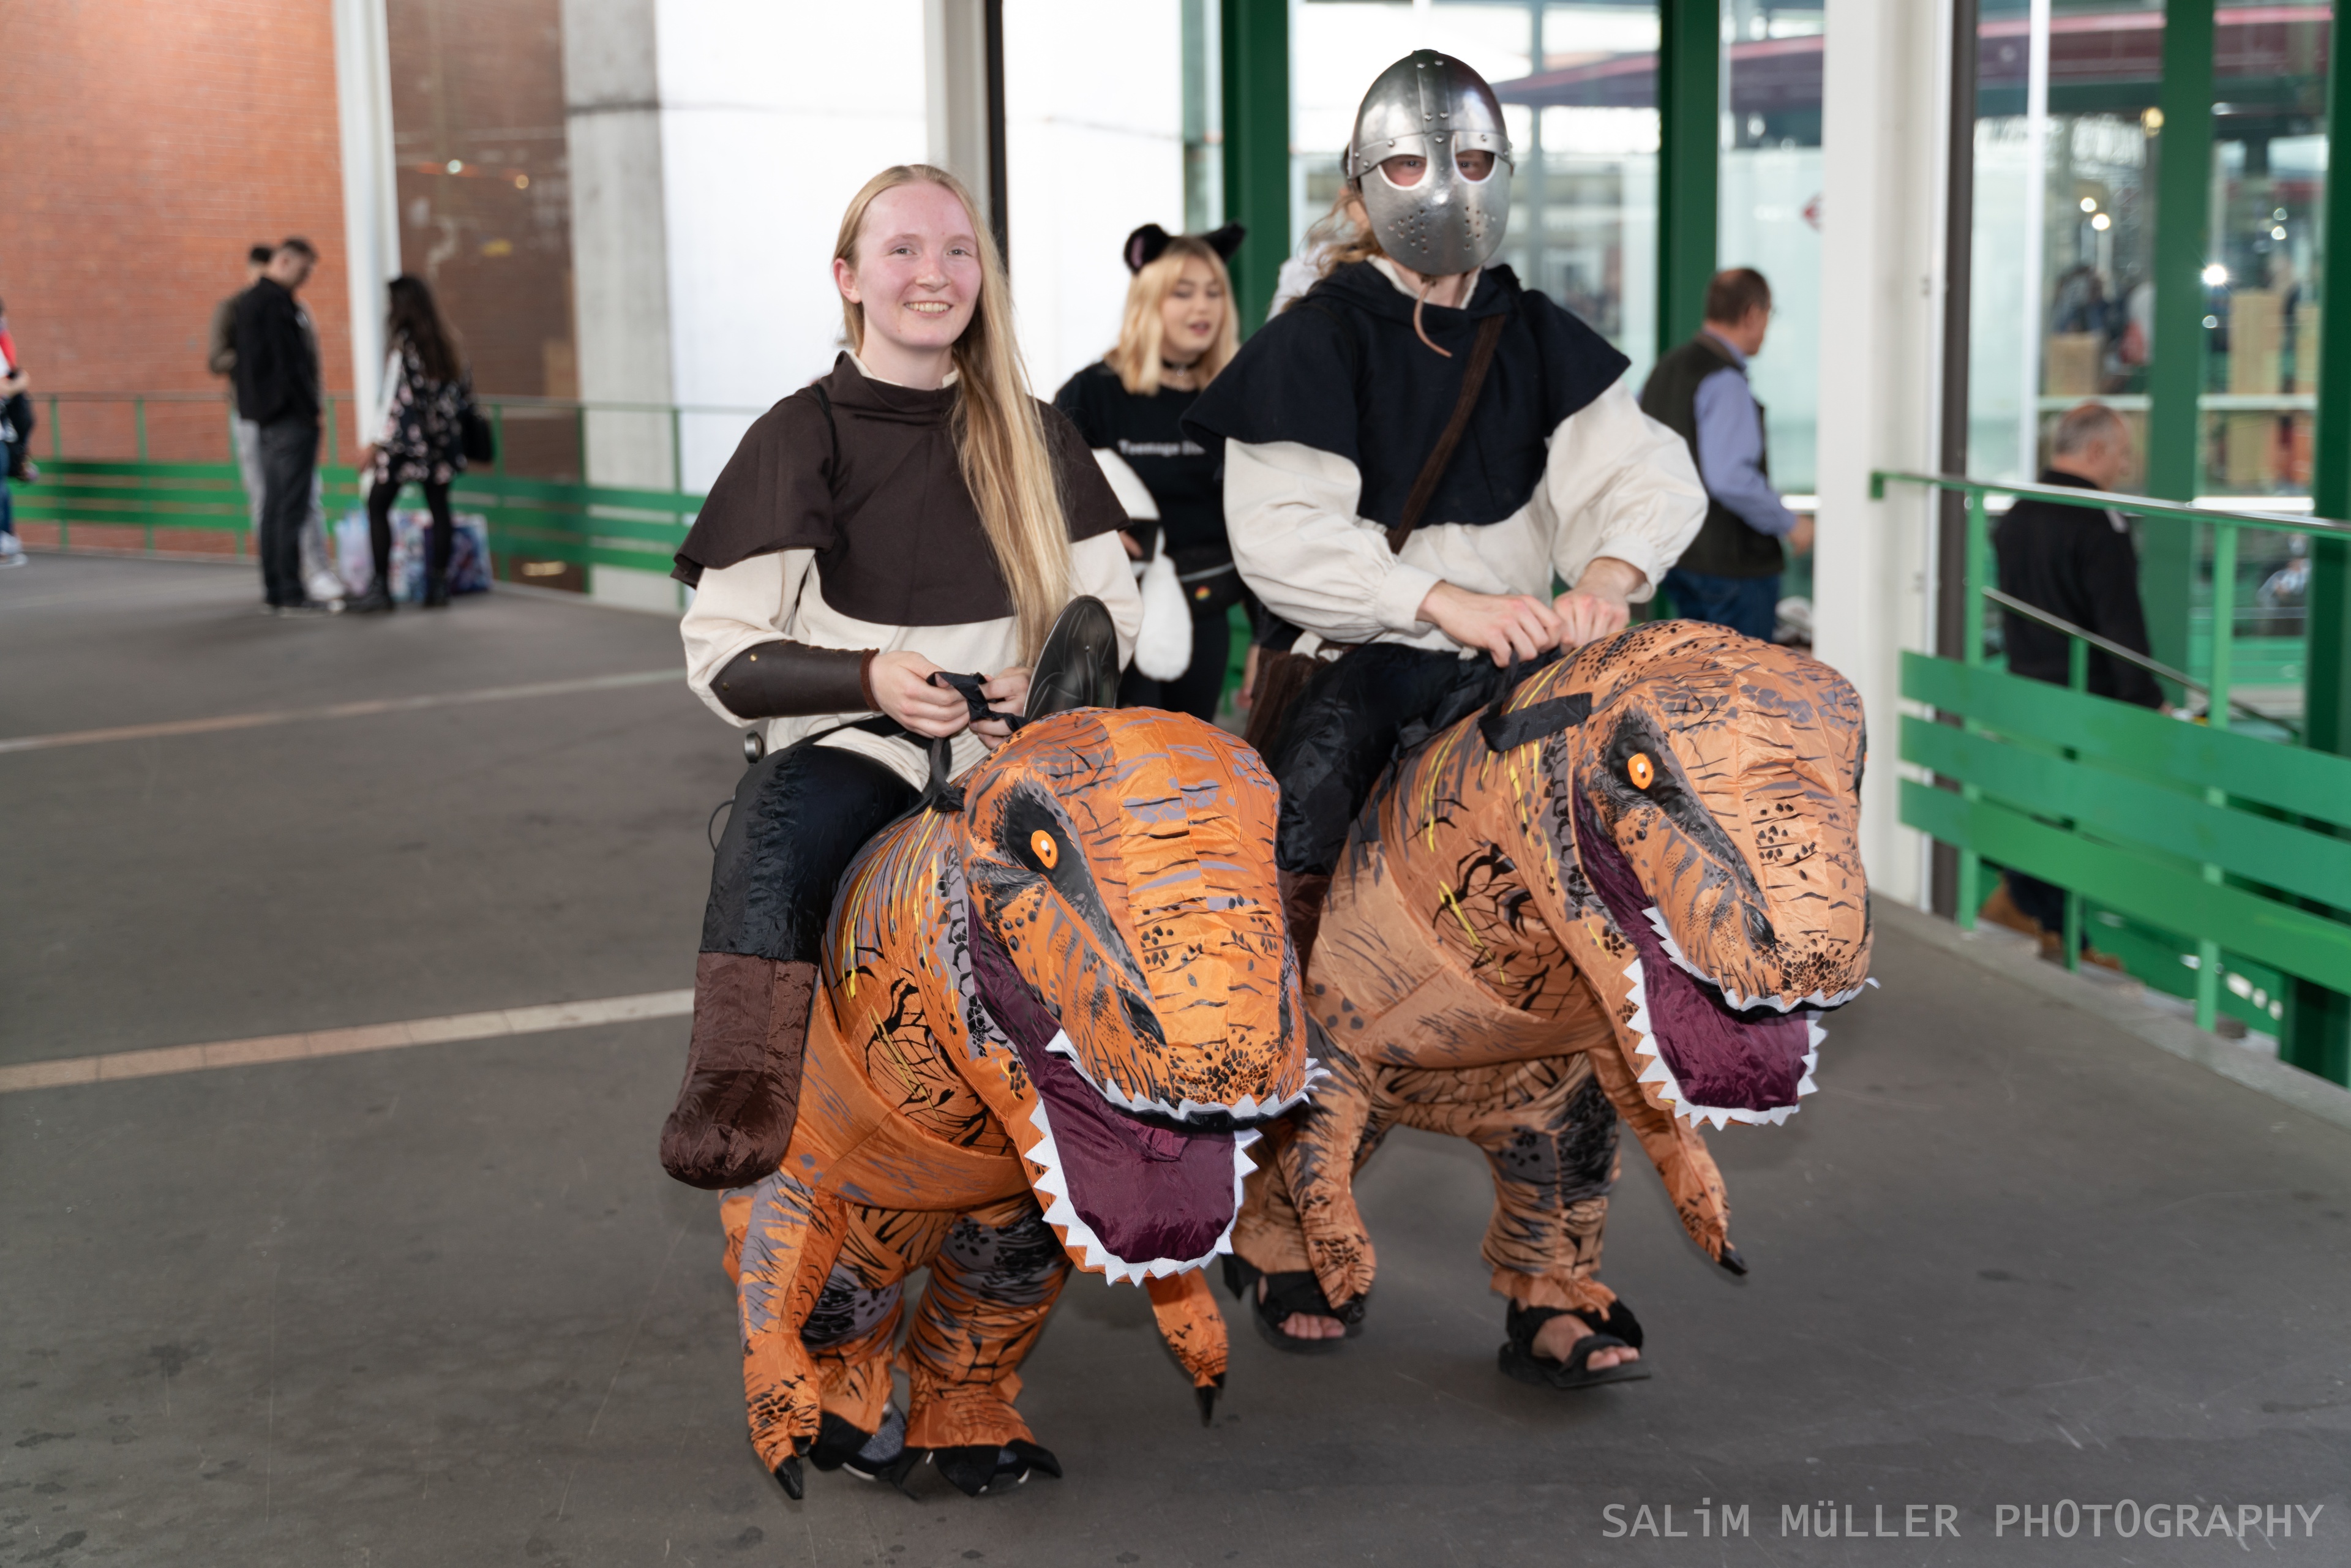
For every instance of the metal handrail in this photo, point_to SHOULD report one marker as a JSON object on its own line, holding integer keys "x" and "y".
{"x": 2143, "y": 505}
{"x": 2219, "y": 701}
{"x": 2116, "y": 649}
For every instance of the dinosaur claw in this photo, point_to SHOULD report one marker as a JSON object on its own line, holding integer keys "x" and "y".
{"x": 787, "y": 1475}
{"x": 1206, "y": 1396}
{"x": 1732, "y": 1260}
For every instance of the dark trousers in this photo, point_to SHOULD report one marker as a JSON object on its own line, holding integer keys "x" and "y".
{"x": 1195, "y": 691}
{"x": 1348, "y": 725}
{"x": 289, "y": 457}
{"x": 800, "y": 815}
{"x": 2044, "y": 901}
{"x": 1747, "y": 604}
{"x": 436, "y": 551}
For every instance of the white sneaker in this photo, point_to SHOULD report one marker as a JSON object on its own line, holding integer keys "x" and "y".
{"x": 12, "y": 551}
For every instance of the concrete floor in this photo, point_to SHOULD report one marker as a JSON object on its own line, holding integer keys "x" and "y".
{"x": 439, "y": 1305}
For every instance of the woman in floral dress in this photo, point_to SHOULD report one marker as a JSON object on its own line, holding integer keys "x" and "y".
{"x": 426, "y": 390}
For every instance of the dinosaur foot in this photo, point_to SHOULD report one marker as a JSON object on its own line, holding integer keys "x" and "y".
{"x": 982, "y": 1468}
{"x": 879, "y": 1456}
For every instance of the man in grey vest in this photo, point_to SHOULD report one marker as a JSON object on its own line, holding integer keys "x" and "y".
{"x": 1730, "y": 574}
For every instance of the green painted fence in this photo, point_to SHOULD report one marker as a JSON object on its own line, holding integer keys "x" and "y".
{"x": 2212, "y": 856}
{"x": 529, "y": 518}
{"x": 535, "y": 519}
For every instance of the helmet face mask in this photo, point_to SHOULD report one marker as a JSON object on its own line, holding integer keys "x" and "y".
{"x": 1432, "y": 107}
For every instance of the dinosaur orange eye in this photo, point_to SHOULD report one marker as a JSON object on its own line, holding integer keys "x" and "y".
{"x": 1041, "y": 845}
{"x": 1641, "y": 770}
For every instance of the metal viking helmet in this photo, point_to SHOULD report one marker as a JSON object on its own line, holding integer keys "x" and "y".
{"x": 1431, "y": 106}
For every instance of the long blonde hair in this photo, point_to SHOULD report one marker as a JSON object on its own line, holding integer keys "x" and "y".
{"x": 1345, "y": 231}
{"x": 999, "y": 435}
{"x": 1143, "y": 336}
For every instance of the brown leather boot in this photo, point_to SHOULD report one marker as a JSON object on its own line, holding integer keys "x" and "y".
{"x": 742, "y": 1090}
{"x": 1301, "y": 906}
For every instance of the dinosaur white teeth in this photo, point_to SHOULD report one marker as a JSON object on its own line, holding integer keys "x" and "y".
{"x": 1247, "y": 1107}
{"x": 1078, "y": 1238}
{"x": 1738, "y": 1000}
{"x": 1669, "y": 1089}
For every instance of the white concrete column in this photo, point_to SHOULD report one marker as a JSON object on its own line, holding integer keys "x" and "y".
{"x": 955, "y": 60}
{"x": 620, "y": 259}
{"x": 1094, "y": 133}
{"x": 1883, "y": 97}
{"x": 370, "y": 198}
{"x": 773, "y": 115}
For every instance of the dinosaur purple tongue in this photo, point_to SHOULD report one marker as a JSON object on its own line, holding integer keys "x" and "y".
{"x": 1146, "y": 1192}
{"x": 1725, "y": 1065}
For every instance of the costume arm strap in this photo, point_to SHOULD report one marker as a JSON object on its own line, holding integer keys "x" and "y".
{"x": 784, "y": 679}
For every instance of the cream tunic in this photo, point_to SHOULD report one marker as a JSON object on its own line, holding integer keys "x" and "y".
{"x": 1615, "y": 482}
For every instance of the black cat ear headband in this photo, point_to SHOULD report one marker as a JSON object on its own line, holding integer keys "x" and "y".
{"x": 1149, "y": 243}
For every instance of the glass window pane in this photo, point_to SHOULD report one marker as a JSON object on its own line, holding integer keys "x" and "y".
{"x": 1769, "y": 202}
{"x": 478, "y": 131}
{"x": 2269, "y": 177}
{"x": 2063, "y": 301}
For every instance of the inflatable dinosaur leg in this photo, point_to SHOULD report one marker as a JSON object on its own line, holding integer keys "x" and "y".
{"x": 784, "y": 1255}
{"x": 992, "y": 1280}
{"x": 853, "y": 1328}
{"x": 1681, "y": 1156}
{"x": 1331, "y": 1136}
{"x": 1551, "y": 1138}
{"x": 1193, "y": 1330}
{"x": 1266, "y": 1236}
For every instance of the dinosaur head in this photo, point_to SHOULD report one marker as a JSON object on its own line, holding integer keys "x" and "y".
{"x": 1708, "y": 802}
{"x": 1127, "y": 938}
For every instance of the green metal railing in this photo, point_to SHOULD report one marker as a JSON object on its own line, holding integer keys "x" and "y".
{"x": 536, "y": 519}
{"x": 2218, "y": 847}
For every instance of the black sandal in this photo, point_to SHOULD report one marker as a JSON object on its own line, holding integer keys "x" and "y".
{"x": 1292, "y": 1291}
{"x": 1619, "y": 1330}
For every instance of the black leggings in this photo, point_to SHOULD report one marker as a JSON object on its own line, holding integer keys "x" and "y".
{"x": 1348, "y": 725}
{"x": 380, "y": 495}
{"x": 799, "y": 817}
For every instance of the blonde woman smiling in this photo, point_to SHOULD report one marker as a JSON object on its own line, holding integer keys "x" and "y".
{"x": 1178, "y": 333}
{"x": 914, "y": 512}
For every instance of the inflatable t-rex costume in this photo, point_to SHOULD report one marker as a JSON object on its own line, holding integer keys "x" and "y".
{"x": 1046, "y": 1020}
{"x": 1632, "y": 882}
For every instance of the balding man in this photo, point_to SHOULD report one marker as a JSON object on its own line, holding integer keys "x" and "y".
{"x": 2078, "y": 564}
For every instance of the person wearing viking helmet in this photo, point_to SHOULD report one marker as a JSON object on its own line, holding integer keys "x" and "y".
{"x": 1413, "y": 450}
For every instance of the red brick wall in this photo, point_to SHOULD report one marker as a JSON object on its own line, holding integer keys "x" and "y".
{"x": 148, "y": 144}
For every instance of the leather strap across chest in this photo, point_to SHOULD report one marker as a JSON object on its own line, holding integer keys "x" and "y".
{"x": 1473, "y": 382}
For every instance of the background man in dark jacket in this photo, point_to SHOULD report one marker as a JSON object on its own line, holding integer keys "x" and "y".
{"x": 1730, "y": 574}
{"x": 2078, "y": 564}
{"x": 220, "y": 358}
{"x": 277, "y": 388}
